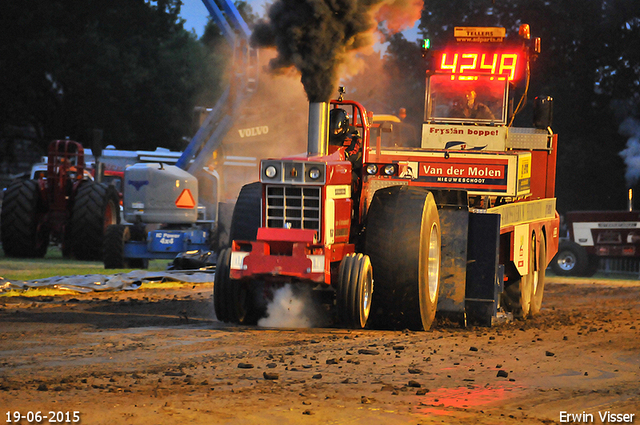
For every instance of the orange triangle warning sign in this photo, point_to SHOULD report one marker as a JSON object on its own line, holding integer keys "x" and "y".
{"x": 185, "y": 200}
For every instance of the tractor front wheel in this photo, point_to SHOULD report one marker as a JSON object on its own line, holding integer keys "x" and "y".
{"x": 220, "y": 285}
{"x": 234, "y": 300}
{"x": 355, "y": 290}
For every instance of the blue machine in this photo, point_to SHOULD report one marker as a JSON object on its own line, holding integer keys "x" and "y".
{"x": 165, "y": 197}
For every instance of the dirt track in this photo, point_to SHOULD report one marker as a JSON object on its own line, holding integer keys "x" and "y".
{"x": 159, "y": 356}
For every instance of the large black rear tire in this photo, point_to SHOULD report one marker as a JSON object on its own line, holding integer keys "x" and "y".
{"x": 95, "y": 208}
{"x": 247, "y": 213}
{"x": 24, "y": 234}
{"x": 402, "y": 238}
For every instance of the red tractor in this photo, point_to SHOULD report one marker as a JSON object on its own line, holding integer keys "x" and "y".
{"x": 460, "y": 221}
{"x": 66, "y": 206}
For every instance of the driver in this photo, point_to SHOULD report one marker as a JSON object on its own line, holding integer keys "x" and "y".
{"x": 343, "y": 134}
{"x": 470, "y": 108}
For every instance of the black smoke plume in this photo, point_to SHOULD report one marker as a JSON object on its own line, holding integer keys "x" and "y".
{"x": 316, "y": 36}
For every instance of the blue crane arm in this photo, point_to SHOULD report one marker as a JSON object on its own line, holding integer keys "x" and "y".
{"x": 219, "y": 122}
{"x": 236, "y": 19}
{"x": 233, "y": 17}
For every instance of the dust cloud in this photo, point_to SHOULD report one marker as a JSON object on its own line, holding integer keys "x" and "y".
{"x": 293, "y": 307}
{"x": 630, "y": 128}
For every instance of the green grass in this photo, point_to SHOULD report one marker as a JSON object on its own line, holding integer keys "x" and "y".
{"x": 54, "y": 265}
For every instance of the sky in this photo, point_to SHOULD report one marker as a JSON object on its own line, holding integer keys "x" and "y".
{"x": 196, "y": 14}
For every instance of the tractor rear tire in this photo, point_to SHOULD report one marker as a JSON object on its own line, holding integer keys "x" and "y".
{"x": 96, "y": 207}
{"x": 355, "y": 290}
{"x": 571, "y": 260}
{"x": 247, "y": 213}
{"x": 24, "y": 234}
{"x": 402, "y": 239}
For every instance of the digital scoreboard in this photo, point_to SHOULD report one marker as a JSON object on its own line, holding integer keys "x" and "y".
{"x": 474, "y": 60}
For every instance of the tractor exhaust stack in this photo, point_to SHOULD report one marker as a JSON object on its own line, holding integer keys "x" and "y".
{"x": 318, "y": 137}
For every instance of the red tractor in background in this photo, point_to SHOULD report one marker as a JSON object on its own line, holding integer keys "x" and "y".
{"x": 65, "y": 206}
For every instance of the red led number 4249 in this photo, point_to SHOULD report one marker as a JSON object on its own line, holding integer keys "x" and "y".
{"x": 499, "y": 64}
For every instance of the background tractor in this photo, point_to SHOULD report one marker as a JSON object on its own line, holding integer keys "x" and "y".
{"x": 65, "y": 206}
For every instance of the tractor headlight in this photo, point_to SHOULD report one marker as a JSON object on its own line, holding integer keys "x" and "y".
{"x": 270, "y": 171}
{"x": 314, "y": 174}
{"x": 371, "y": 169}
{"x": 389, "y": 170}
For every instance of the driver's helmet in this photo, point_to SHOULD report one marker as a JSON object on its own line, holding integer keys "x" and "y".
{"x": 338, "y": 125}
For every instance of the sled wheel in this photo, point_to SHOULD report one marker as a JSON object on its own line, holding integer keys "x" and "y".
{"x": 24, "y": 233}
{"x": 355, "y": 290}
{"x": 537, "y": 290}
{"x": 571, "y": 259}
{"x": 402, "y": 239}
{"x": 94, "y": 209}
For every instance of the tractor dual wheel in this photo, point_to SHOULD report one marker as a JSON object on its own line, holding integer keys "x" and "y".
{"x": 96, "y": 206}
{"x": 523, "y": 297}
{"x": 355, "y": 290}
{"x": 537, "y": 290}
{"x": 24, "y": 232}
{"x": 403, "y": 241}
{"x": 232, "y": 299}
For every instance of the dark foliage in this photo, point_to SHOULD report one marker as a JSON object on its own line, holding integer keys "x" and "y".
{"x": 126, "y": 67}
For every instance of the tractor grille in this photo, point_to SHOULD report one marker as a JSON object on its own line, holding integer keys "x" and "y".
{"x": 294, "y": 207}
